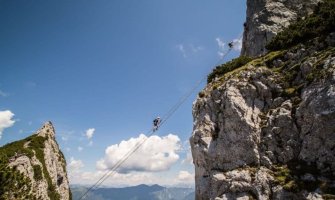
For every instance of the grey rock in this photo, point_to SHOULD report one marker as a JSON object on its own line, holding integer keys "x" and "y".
{"x": 308, "y": 177}
{"x": 55, "y": 166}
{"x": 242, "y": 130}
{"x": 265, "y": 18}
{"x": 313, "y": 196}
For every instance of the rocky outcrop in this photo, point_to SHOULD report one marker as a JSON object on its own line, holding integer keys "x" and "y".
{"x": 267, "y": 129}
{"x": 265, "y": 18}
{"x": 42, "y": 164}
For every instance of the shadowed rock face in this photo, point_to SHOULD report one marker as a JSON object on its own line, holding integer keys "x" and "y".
{"x": 265, "y": 18}
{"x": 267, "y": 131}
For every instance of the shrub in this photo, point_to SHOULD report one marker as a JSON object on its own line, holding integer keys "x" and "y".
{"x": 320, "y": 23}
{"x": 202, "y": 94}
{"x": 227, "y": 67}
{"x": 37, "y": 172}
{"x": 8, "y": 182}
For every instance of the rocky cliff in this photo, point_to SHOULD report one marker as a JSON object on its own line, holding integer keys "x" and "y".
{"x": 34, "y": 168}
{"x": 265, "y": 18}
{"x": 266, "y": 129}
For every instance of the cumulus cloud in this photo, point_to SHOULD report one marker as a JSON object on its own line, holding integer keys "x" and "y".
{"x": 115, "y": 179}
{"x": 6, "y": 120}
{"x": 187, "y": 149}
{"x": 75, "y": 165}
{"x": 155, "y": 154}
{"x": 185, "y": 177}
{"x": 188, "y": 159}
{"x": 89, "y": 133}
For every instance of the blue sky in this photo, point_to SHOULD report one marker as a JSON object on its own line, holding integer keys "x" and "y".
{"x": 102, "y": 70}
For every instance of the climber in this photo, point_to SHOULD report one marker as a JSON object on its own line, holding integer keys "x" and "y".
{"x": 231, "y": 44}
{"x": 156, "y": 123}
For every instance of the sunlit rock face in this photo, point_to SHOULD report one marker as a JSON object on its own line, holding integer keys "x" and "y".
{"x": 267, "y": 130}
{"x": 265, "y": 18}
{"x": 40, "y": 166}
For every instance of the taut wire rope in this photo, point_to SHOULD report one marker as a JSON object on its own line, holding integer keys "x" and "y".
{"x": 173, "y": 109}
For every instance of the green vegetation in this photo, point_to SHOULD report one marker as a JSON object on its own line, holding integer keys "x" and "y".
{"x": 227, "y": 67}
{"x": 202, "y": 94}
{"x": 290, "y": 72}
{"x": 267, "y": 59}
{"x": 320, "y": 23}
{"x": 290, "y": 177}
{"x": 318, "y": 72}
{"x": 11, "y": 178}
{"x": 317, "y": 25}
{"x": 289, "y": 92}
{"x": 328, "y": 196}
{"x": 37, "y": 172}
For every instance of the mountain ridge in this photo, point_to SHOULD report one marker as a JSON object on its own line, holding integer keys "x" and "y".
{"x": 138, "y": 192}
{"x": 36, "y": 166}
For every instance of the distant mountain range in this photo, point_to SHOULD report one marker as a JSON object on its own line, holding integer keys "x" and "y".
{"x": 139, "y": 192}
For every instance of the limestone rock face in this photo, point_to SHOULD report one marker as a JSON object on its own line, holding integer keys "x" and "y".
{"x": 265, "y": 18}
{"x": 41, "y": 162}
{"x": 267, "y": 131}
{"x": 55, "y": 161}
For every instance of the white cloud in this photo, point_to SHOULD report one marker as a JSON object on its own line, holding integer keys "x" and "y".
{"x": 115, "y": 179}
{"x": 237, "y": 44}
{"x": 187, "y": 150}
{"x": 90, "y": 143}
{"x": 185, "y": 177}
{"x": 221, "y": 45}
{"x": 6, "y": 120}
{"x": 80, "y": 149}
{"x": 75, "y": 165}
{"x": 188, "y": 159}
{"x": 182, "y": 49}
{"x": 89, "y": 133}
{"x": 155, "y": 154}
{"x": 189, "y": 49}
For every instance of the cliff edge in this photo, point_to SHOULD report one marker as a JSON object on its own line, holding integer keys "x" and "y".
{"x": 266, "y": 18}
{"x": 34, "y": 168}
{"x": 265, "y": 128}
